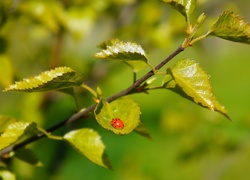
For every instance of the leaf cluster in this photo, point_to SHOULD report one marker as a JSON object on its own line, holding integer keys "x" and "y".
{"x": 186, "y": 78}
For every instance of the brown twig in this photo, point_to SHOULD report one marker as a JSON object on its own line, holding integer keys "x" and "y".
{"x": 86, "y": 111}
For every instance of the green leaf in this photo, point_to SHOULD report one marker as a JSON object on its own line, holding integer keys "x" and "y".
{"x": 231, "y": 27}
{"x": 48, "y": 13}
{"x": 14, "y": 132}
{"x": 27, "y": 156}
{"x": 142, "y": 130}
{"x": 185, "y": 7}
{"x": 88, "y": 143}
{"x": 5, "y": 121}
{"x": 192, "y": 80}
{"x": 115, "y": 49}
{"x": 56, "y": 79}
{"x": 6, "y": 174}
{"x": 124, "y": 109}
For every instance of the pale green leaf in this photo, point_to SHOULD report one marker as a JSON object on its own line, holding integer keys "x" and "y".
{"x": 231, "y": 27}
{"x": 124, "y": 109}
{"x": 14, "y": 132}
{"x": 185, "y": 7}
{"x": 56, "y": 79}
{"x": 28, "y": 156}
{"x": 6, "y": 174}
{"x": 88, "y": 142}
{"x": 115, "y": 49}
{"x": 193, "y": 81}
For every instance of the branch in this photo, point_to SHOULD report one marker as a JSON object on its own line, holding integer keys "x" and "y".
{"x": 85, "y": 112}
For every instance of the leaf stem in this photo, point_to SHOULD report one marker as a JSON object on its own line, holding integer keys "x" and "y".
{"x": 49, "y": 134}
{"x": 89, "y": 89}
{"x": 76, "y": 101}
{"x": 198, "y": 39}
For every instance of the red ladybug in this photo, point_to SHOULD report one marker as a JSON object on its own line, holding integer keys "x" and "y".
{"x": 117, "y": 123}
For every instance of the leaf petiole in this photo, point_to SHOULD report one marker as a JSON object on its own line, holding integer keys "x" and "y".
{"x": 49, "y": 134}
{"x": 90, "y": 90}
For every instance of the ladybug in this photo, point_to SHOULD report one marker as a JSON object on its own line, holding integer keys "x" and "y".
{"x": 117, "y": 123}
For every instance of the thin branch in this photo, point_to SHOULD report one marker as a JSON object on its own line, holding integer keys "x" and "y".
{"x": 86, "y": 111}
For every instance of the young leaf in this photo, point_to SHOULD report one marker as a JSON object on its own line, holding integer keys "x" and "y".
{"x": 56, "y": 79}
{"x": 193, "y": 81}
{"x": 115, "y": 49}
{"x": 5, "y": 121}
{"x": 231, "y": 27}
{"x": 185, "y": 7}
{"x": 26, "y": 155}
{"x": 129, "y": 52}
{"x": 14, "y": 132}
{"x": 88, "y": 143}
{"x": 6, "y": 174}
{"x": 124, "y": 109}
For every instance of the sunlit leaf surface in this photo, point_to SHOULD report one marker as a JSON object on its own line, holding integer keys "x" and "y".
{"x": 14, "y": 132}
{"x": 231, "y": 27}
{"x": 194, "y": 82}
{"x": 88, "y": 142}
{"x": 115, "y": 49}
{"x": 56, "y": 79}
{"x": 124, "y": 109}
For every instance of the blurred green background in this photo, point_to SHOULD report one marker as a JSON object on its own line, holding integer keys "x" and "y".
{"x": 189, "y": 142}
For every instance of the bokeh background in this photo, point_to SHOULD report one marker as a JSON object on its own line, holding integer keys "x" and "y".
{"x": 189, "y": 142}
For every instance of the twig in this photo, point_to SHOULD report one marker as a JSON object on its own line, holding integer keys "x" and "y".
{"x": 85, "y": 112}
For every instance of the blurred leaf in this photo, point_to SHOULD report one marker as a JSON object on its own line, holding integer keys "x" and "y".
{"x": 80, "y": 20}
{"x": 56, "y": 79}
{"x": 88, "y": 143}
{"x": 6, "y": 70}
{"x": 115, "y": 49}
{"x": 14, "y": 132}
{"x": 3, "y": 42}
{"x": 6, "y": 174}
{"x": 124, "y": 109}
{"x": 142, "y": 130}
{"x": 231, "y": 27}
{"x": 185, "y": 7}
{"x": 27, "y": 156}
{"x": 49, "y": 13}
{"x": 194, "y": 82}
